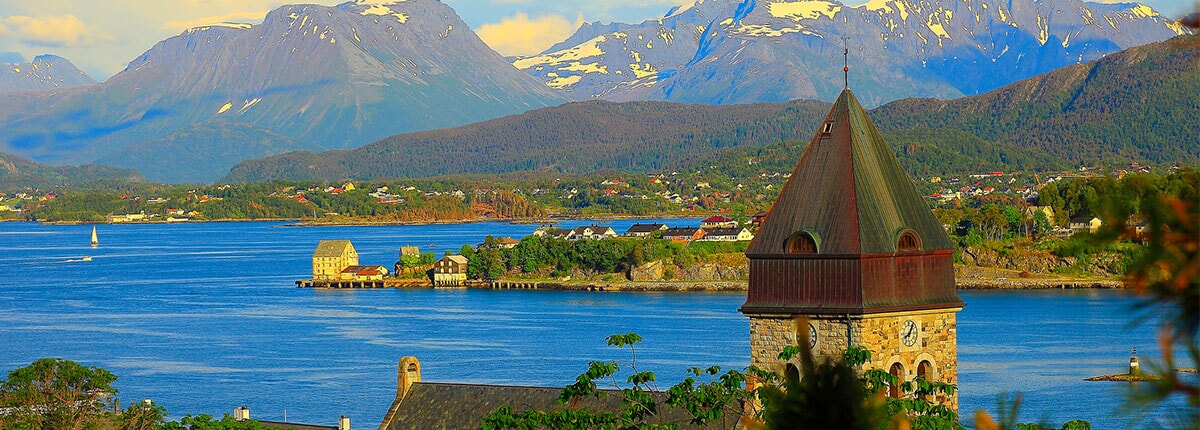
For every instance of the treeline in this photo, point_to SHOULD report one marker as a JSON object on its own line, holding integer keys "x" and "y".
{"x": 52, "y": 393}
{"x": 17, "y": 172}
{"x": 1087, "y": 197}
{"x": 546, "y": 256}
{"x": 280, "y": 200}
{"x": 1134, "y": 105}
{"x": 1006, "y": 223}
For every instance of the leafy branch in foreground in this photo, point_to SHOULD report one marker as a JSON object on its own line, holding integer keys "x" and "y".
{"x": 832, "y": 394}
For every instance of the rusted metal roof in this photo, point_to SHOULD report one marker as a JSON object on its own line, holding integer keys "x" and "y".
{"x": 850, "y": 196}
{"x": 849, "y": 188}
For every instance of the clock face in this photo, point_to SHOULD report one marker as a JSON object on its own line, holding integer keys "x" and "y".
{"x": 812, "y": 335}
{"x": 908, "y": 333}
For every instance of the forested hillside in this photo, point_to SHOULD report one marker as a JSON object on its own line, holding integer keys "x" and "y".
{"x": 1135, "y": 106}
{"x": 17, "y": 172}
{"x": 574, "y": 138}
{"x": 1140, "y": 105}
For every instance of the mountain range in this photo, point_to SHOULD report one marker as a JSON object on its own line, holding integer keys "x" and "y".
{"x": 1135, "y": 105}
{"x": 316, "y": 78}
{"x": 44, "y": 72}
{"x": 307, "y": 77}
{"x": 744, "y": 51}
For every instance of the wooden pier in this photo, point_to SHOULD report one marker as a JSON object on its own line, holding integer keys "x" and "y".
{"x": 312, "y": 283}
{"x": 384, "y": 283}
{"x": 515, "y": 285}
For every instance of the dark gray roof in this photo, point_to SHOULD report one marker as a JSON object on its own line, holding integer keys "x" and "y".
{"x": 723, "y": 231}
{"x": 644, "y": 228}
{"x": 681, "y": 231}
{"x": 294, "y": 426}
{"x": 432, "y": 406}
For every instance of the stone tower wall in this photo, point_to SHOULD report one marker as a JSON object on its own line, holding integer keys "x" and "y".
{"x": 937, "y": 341}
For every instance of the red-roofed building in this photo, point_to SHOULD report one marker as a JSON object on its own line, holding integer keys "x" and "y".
{"x": 718, "y": 221}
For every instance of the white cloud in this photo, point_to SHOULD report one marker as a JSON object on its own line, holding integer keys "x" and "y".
{"x": 54, "y": 31}
{"x": 251, "y": 17}
{"x": 519, "y": 34}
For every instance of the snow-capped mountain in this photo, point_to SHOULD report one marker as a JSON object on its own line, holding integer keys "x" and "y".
{"x": 308, "y": 77}
{"x": 44, "y": 72}
{"x": 739, "y": 51}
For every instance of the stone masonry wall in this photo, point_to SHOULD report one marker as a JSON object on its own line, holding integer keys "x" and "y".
{"x": 936, "y": 343}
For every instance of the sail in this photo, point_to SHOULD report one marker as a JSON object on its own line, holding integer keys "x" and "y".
{"x": 95, "y": 240}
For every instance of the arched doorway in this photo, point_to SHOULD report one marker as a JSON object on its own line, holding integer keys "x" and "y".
{"x": 898, "y": 371}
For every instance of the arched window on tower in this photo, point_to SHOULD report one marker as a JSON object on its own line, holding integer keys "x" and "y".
{"x": 898, "y": 371}
{"x": 802, "y": 242}
{"x": 925, "y": 371}
{"x": 908, "y": 241}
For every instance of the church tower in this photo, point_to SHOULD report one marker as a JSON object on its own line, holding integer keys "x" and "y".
{"x": 851, "y": 246}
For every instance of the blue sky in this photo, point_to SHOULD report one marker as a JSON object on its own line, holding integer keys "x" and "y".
{"x": 101, "y": 36}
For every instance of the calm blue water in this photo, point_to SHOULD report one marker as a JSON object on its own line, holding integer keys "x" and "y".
{"x": 204, "y": 317}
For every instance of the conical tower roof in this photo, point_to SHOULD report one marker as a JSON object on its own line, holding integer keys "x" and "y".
{"x": 850, "y": 192}
{"x": 849, "y": 234}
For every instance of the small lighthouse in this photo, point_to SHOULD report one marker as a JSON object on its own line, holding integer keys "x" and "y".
{"x": 1134, "y": 367}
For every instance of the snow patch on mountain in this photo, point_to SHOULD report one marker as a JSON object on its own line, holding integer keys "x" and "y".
{"x": 914, "y": 48}
{"x": 44, "y": 72}
{"x": 802, "y": 10}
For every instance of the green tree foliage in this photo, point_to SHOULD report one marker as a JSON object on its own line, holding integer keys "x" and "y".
{"x": 830, "y": 394}
{"x": 542, "y": 254}
{"x": 715, "y": 402}
{"x": 206, "y": 422}
{"x": 143, "y": 416}
{"x": 1167, "y": 274}
{"x": 52, "y": 393}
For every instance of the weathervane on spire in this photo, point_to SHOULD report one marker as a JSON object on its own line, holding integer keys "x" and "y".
{"x": 846, "y": 60}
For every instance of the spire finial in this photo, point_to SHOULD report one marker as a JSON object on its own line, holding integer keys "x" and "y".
{"x": 846, "y": 61}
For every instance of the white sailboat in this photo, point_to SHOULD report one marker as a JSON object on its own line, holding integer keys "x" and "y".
{"x": 95, "y": 240}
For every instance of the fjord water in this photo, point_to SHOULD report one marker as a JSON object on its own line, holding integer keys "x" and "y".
{"x": 202, "y": 318}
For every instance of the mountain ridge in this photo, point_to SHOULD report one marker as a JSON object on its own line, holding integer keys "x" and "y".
{"x": 1007, "y": 118}
{"x": 45, "y": 71}
{"x": 324, "y": 77}
{"x": 744, "y": 51}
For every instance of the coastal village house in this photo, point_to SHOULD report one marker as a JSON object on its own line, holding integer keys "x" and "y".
{"x": 423, "y": 405}
{"x": 849, "y": 255}
{"x": 732, "y": 234}
{"x": 683, "y": 234}
{"x": 591, "y": 232}
{"x": 644, "y": 230}
{"x": 332, "y": 257}
{"x": 718, "y": 221}
{"x": 1089, "y": 224}
{"x": 363, "y": 273}
{"x": 450, "y": 271}
{"x": 577, "y": 233}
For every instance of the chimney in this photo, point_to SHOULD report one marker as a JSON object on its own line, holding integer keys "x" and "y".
{"x": 344, "y": 423}
{"x": 409, "y": 371}
{"x": 241, "y": 413}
